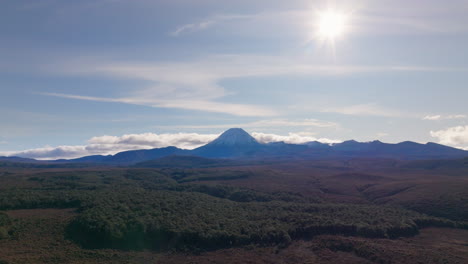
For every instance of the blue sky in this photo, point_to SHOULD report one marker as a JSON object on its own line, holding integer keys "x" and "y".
{"x": 101, "y": 76}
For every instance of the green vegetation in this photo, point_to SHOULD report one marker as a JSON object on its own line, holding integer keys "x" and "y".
{"x": 447, "y": 199}
{"x": 187, "y": 209}
{"x": 136, "y": 219}
{"x": 25, "y": 165}
{"x": 191, "y": 175}
{"x": 5, "y": 222}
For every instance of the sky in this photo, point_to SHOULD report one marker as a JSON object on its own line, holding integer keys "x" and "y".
{"x": 101, "y": 76}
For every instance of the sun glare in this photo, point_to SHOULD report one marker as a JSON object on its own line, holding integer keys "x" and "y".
{"x": 331, "y": 25}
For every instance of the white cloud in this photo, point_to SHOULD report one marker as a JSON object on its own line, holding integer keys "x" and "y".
{"x": 291, "y": 138}
{"x": 371, "y": 109}
{"x": 382, "y": 135}
{"x": 442, "y": 117}
{"x": 50, "y": 152}
{"x": 453, "y": 136}
{"x": 151, "y": 140}
{"x": 432, "y": 117}
{"x": 107, "y": 145}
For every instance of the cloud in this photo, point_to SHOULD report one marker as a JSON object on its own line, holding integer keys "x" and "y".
{"x": 368, "y": 17}
{"x": 288, "y": 123}
{"x": 370, "y": 109}
{"x": 455, "y": 116}
{"x": 195, "y": 84}
{"x": 453, "y": 136}
{"x": 151, "y": 140}
{"x": 209, "y": 22}
{"x": 198, "y": 105}
{"x": 50, "y": 152}
{"x": 189, "y": 28}
{"x": 272, "y": 123}
{"x": 106, "y": 145}
{"x": 382, "y": 135}
{"x": 109, "y": 145}
{"x": 432, "y": 117}
{"x": 291, "y": 138}
{"x": 239, "y": 21}
{"x": 392, "y": 17}
{"x": 442, "y": 117}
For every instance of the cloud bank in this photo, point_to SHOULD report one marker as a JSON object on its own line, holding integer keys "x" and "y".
{"x": 453, "y": 136}
{"x": 291, "y": 138}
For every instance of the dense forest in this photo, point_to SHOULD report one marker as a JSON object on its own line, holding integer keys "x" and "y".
{"x": 5, "y": 222}
{"x": 190, "y": 210}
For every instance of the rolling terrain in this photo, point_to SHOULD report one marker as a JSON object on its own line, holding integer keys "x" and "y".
{"x": 341, "y": 211}
{"x": 200, "y": 209}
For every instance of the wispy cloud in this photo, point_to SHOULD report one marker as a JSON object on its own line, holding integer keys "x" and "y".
{"x": 453, "y": 136}
{"x": 260, "y": 19}
{"x": 198, "y": 105}
{"x": 443, "y": 117}
{"x": 408, "y": 17}
{"x": 371, "y": 109}
{"x": 188, "y": 28}
{"x": 195, "y": 84}
{"x": 368, "y": 17}
{"x": 272, "y": 123}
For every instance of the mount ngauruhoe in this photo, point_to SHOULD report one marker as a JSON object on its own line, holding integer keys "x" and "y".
{"x": 235, "y": 143}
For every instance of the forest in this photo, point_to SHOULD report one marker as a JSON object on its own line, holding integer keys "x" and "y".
{"x": 195, "y": 210}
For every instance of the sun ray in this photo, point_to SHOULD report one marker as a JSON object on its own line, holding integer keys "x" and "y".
{"x": 329, "y": 26}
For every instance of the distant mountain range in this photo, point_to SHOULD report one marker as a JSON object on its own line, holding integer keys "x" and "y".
{"x": 235, "y": 143}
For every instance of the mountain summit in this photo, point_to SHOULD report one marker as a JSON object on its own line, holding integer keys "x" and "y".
{"x": 234, "y": 137}
{"x": 234, "y": 142}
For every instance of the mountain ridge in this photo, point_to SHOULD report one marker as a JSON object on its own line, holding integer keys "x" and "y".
{"x": 236, "y": 143}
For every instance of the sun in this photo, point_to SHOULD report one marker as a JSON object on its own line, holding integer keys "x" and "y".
{"x": 330, "y": 25}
